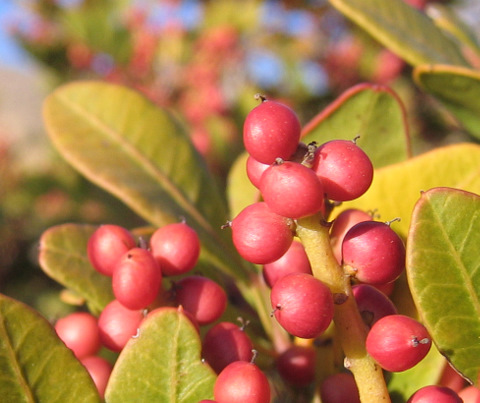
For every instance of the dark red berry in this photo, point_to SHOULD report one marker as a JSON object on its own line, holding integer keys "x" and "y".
{"x": 202, "y": 297}
{"x": 295, "y": 260}
{"x": 137, "y": 279}
{"x": 259, "y": 235}
{"x": 296, "y": 365}
{"x": 242, "y": 382}
{"x": 372, "y": 303}
{"x": 225, "y": 343}
{"x": 302, "y": 304}
{"x": 176, "y": 247}
{"x": 434, "y": 393}
{"x": 339, "y": 388}
{"x": 398, "y": 342}
{"x": 374, "y": 252}
{"x": 271, "y": 130}
{"x": 344, "y": 169}
{"x": 106, "y": 245}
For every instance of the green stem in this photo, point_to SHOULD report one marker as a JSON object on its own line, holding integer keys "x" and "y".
{"x": 350, "y": 328}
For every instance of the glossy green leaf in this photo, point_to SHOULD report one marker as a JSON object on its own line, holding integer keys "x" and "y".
{"x": 403, "y": 29}
{"x": 35, "y": 365}
{"x": 373, "y": 112}
{"x": 63, "y": 257}
{"x": 443, "y": 266}
{"x": 163, "y": 364}
{"x": 130, "y": 147}
{"x": 459, "y": 90}
{"x": 396, "y": 188}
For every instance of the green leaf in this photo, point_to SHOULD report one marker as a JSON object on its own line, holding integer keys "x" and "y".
{"x": 373, "y": 112}
{"x": 130, "y": 147}
{"x": 442, "y": 268}
{"x": 396, "y": 188}
{"x": 35, "y": 364}
{"x": 406, "y": 31}
{"x": 459, "y": 90}
{"x": 63, "y": 257}
{"x": 162, "y": 364}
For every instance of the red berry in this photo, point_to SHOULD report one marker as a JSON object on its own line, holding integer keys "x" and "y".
{"x": 302, "y": 304}
{"x": 297, "y": 365}
{"x": 374, "y": 252}
{"x": 137, "y": 279}
{"x": 339, "y": 388}
{"x": 398, "y": 342}
{"x": 372, "y": 303}
{"x": 290, "y": 189}
{"x": 202, "y": 297}
{"x": 271, "y": 130}
{"x": 242, "y": 382}
{"x": 259, "y": 235}
{"x": 176, "y": 247}
{"x": 344, "y": 169}
{"x": 434, "y": 393}
{"x": 225, "y": 343}
{"x": 106, "y": 245}
{"x": 117, "y": 325}
{"x": 295, "y": 260}
{"x": 79, "y": 331}
{"x": 255, "y": 170}
{"x": 99, "y": 369}
{"x": 342, "y": 223}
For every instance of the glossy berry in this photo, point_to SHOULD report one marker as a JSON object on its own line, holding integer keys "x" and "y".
{"x": 295, "y": 260}
{"x": 255, "y": 170}
{"x": 344, "y": 169}
{"x": 79, "y": 331}
{"x": 106, "y": 245}
{"x": 176, "y": 247}
{"x": 99, "y": 369}
{"x": 225, "y": 343}
{"x": 202, "y": 297}
{"x": 341, "y": 224}
{"x": 398, "y": 342}
{"x": 271, "y": 130}
{"x": 259, "y": 235}
{"x": 374, "y": 253}
{"x": 434, "y": 393}
{"x": 292, "y": 190}
{"x": 339, "y": 388}
{"x": 372, "y": 303}
{"x": 296, "y": 365}
{"x": 302, "y": 304}
{"x": 118, "y": 325}
{"x": 137, "y": 279}
{"x": 242, "y": 382}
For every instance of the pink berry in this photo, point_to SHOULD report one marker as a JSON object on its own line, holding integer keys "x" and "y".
{"x": 255, "y": 170}
{"x": 374, "y": 253}
{"x": 259, "y": 235}
{"x": 117, "y": 325}
{"x": 271, "y": 130}
{"x": 344, "y": 169}
{"x": 99, "y": 369}
{"x": 106, "y": 245}
{"x": 434, "y": 393}
{"x": 372, "y": 303}
{"x": 296, "y": 365}
{"x": 225, "y": 343}
{"x": 339, "y": 388}
{"x": 79, "y": 331}
{"x": 202, "y": 297}
{"x": 470, "y": 394}
{"x": 295, "y": 260}
{"x": 398, "y": 342}
{"x": 137, "y": 279}
{"x": 242, "y": 382}
{"x": 302, "y": 304}
{"x": 176, "y": 247}
{"x": 290, "y": 189}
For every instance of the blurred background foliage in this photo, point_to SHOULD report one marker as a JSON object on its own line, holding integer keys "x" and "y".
{"x": 204, "y": 60}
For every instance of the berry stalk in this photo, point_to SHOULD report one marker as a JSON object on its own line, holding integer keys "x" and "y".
{"x": 352, "y": 332}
